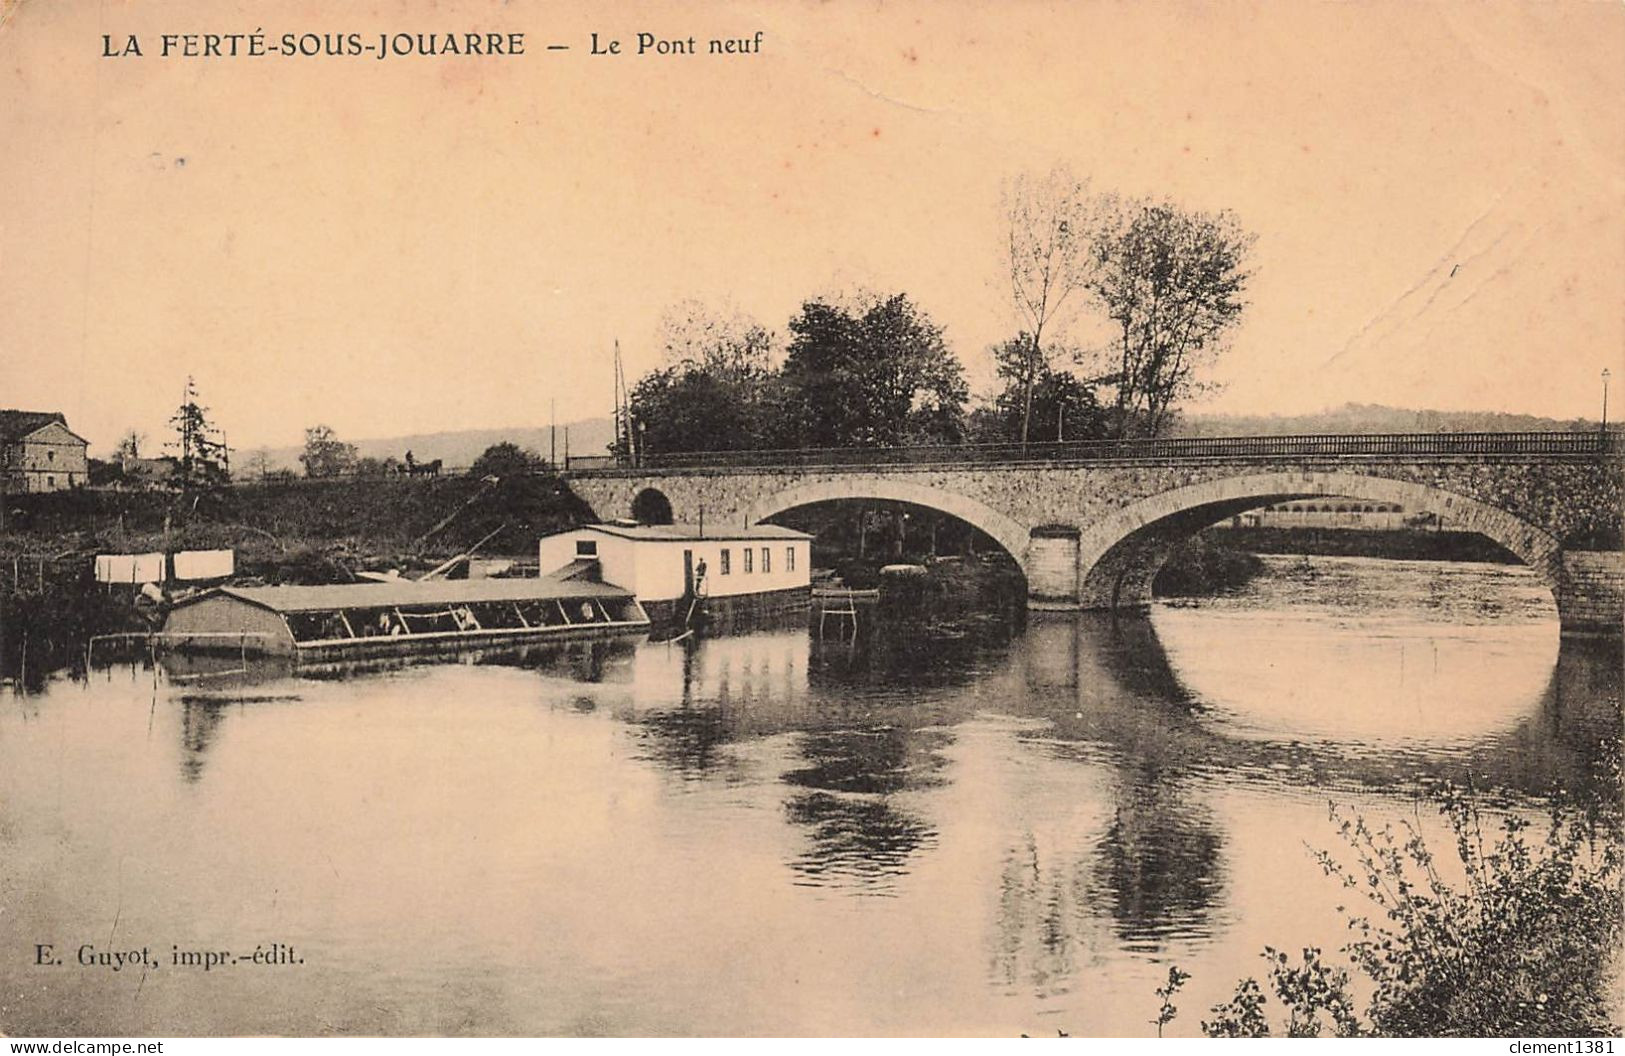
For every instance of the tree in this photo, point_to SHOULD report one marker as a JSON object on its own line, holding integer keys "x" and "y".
{"x": 370, "y": 468}
{"x": 100, "y": 473}
{"x": 1053, "y": 402}
{"x": 715, "y": 389}
{"x": 258, "y": 466}
{"x": 724, "y": 342}
{"x": 506, "y": 460}
{"x": 129, "y": 447}
{"x": 690, "y": 409}
{"x": 871, "y": 377}
{"x": 1171, "y": 282}
{"x": 201, "y": 455}
{"x": 325, "y": 455}
{"x": 1051, "y": 222}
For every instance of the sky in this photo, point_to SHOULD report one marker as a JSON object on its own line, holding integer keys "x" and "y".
{"x": 429, "y": 243}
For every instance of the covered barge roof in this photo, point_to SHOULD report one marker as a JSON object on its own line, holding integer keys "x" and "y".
{"x": 408, "y": 592}
{"x": 689, "y": 532}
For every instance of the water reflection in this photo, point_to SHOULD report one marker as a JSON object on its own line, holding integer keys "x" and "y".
{"x": 890, "y": 652}
{"x": 857, "y": 829}
{"x": 689, "y": 741}
{"x": 877, "y": 761}
{"x": 689, "y": 700}
{"x": 1528, "y": 715}
{"x": 847, "y": 757}
{"x": 1042, "y": 923}
{"x": 1144, "y": 865}
{"x": 1082, "y": 892}
{"x": 200, "y": 724}
{"x": 1160, "y": 866}
{"x": 858, "y": 843}
{"x": 1048, "y": 815}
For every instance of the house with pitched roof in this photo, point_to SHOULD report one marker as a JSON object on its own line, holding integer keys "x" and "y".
{"x": 38, "y": 452}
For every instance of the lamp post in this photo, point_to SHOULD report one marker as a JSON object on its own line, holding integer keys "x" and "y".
{"x": 1605, "y": 402}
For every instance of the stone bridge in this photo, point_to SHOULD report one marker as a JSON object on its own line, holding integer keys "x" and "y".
{"x": 1090, "y": 525}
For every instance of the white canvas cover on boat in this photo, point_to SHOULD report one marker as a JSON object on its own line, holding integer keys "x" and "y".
{"x": 205, "y": 564}
{"x": 129, "y": 568}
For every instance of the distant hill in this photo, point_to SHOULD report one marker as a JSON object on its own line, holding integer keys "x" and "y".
{"x": 590, "y": 436}
{"x": 1373, "y": 418}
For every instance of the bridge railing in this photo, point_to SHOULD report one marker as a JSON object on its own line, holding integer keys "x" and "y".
{"x": 1378, "y": 445}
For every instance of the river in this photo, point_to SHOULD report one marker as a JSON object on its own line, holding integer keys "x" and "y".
{"x": 1010, "y": 829}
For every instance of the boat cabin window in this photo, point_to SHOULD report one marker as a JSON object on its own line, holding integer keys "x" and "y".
{"x": 725, "y": 561}
{"x": 320, "y": 625}
{"x": 767, "y": 560}
{"x": 789, "y": 559}
{"x": 586, "y": 548}
{"x": 748, "y": 553}
{"x": 456, "y": 618}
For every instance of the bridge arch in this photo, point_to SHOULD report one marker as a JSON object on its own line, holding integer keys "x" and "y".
{"x": 1008, "y": 533}
{"x": 1119, "y": 555}
{"x": 651, "y": 506}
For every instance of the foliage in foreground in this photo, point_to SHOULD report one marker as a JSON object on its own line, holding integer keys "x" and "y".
{"x": 1527, "y": 947}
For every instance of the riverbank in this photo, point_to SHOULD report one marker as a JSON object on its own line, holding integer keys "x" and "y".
{"x": 293, "y": 529}
{"x": 302, "y": 532}
{"x": 1400, "y": 544}
{"x": 1223, "y": 558}
{"x": 1206, "y": 565}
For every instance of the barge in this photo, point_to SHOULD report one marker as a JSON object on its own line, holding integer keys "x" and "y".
{"x": 358, "y": 620}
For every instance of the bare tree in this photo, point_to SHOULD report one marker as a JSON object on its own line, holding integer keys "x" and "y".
{"x": 1051, "y": 223}
{"x": 722, "y": 341}
{"x": 1171, "y": 281}
{"x": 259, "y": 463}
{"x": 129, "y": 447}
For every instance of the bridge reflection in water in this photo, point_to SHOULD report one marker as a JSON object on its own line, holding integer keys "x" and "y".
{"x": 870, "y": 723}
{"x": 879, "y": 717}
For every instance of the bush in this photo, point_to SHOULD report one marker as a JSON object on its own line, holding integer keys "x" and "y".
{"x": 507, "y": 460}
{"x": 1203, "y": 566}
{"x": 1526, "y": 949}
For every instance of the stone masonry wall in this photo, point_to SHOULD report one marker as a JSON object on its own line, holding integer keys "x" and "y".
{"x": 1595, "y": 589}
{"x": 1052, "y": 568}
{"x": 1563, "y": 498}
{"x": 1532, "y": 505}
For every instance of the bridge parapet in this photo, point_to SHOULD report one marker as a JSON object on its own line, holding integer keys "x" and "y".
{"x": 1573, "y": 444}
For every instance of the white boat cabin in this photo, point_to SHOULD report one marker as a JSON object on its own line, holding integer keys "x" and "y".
{"x": 664, "y": 562}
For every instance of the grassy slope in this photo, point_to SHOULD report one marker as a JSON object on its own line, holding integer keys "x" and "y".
{"x": 367, "y": 520}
